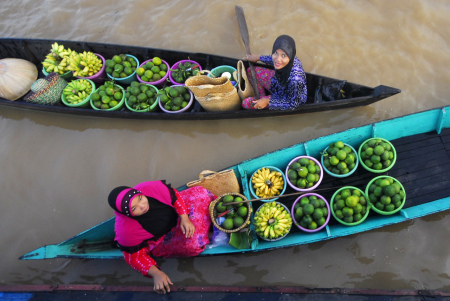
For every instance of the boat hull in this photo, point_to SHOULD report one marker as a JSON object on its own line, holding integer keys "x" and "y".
{"x": 423, "y": 157}
{"x": 34, "y": 50}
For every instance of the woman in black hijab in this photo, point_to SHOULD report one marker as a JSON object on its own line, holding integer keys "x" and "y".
{"x": 286, "y": 84}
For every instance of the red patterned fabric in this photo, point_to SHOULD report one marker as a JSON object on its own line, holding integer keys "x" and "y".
{"x": 194, "y": 202}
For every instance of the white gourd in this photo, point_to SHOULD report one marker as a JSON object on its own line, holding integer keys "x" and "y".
{"x": 16, "y": 77}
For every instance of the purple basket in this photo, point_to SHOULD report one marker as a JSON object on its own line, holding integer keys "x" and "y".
{"x": 310, "y": 188}
{"x": 293, "y": 212}
{"x": 174, "y": 66}
{"x": 158, "y": 82}
{"x": 181, "y": 110}
{"x": 100, "y": 76}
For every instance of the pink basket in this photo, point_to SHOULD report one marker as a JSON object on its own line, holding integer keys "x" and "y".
{"x": 310, "y": 188}
{"x": 181, "y": 110}
{"x": 175, "y": 66}
{"x": 158, "y": 82}
{"x": 319, "y": 197}
{"x": 100, "y": 76}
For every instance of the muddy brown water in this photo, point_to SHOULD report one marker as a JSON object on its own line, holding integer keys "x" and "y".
{"x": 56, "y": 171}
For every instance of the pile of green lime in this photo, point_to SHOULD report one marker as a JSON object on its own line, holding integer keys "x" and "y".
{"x": 385, "y": 194}
{"x": 310, "y": 212}
{"x": 107, "y": 96}
{"x": 339, "y": 158}
{"x": 174, "y": 98}
{"x": 304, "y": 173}
{"x": 120, "y": 66}
{"x": 237, "y": 214}
{"x": 183, "y": 71}
{"x": 377, "y": 154}
{"x": 349, "y": 205}
{"x": 140, "y": 96}
{"x": 152, "y": 71}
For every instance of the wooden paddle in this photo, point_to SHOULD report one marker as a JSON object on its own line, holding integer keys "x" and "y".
{"x": 246, "y": 39}
{"x": 282, "y": 196}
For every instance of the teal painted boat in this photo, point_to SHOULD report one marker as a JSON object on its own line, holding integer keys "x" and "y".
{"x": 422, "y": 143}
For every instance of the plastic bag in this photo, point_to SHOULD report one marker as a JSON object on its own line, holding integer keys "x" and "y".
{"x": 333, "y": 91}
{"x": 219, "y": 238}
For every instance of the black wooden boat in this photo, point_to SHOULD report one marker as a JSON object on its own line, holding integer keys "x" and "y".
{"x": 35, "y": 50}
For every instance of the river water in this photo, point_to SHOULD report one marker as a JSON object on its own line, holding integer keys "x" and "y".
{"x": 56, "y": 171}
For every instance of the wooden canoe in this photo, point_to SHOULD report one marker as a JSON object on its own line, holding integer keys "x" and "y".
{"x": 34, "y": 50}
{"x": 426, "y": 183}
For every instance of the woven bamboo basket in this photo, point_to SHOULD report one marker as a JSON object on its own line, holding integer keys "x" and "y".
{"x": 213, "y": 213}
{"x": 217, "y": 182}
{"x": 214, "y": 94}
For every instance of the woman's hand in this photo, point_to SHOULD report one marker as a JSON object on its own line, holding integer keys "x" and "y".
{"x": 261, "y": 103}
{"x": 161, "y": 282}
{"x": 252, "y": 58}
{"x": 186, "y": 226}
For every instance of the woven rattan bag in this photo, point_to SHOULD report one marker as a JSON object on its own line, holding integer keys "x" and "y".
{"x": 217, "y": 182}
{"x": 214, "y": 94}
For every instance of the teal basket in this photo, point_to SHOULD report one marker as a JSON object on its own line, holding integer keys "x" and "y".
{"x": 217, "y": 72}
{"x": 130, "y": 78}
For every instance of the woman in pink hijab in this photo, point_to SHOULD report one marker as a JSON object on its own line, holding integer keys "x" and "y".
{"x": 155, "y": 220}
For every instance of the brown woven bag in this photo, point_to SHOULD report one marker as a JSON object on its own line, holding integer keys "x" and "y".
{"x": 217, "y": 182}
{"x": 214, "y": 94}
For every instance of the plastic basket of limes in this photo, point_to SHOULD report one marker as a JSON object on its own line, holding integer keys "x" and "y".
{"x": 140, "y": 97}
{"x": 154, "y": 72}
{"x": 377, "y": 155}
{"x": 349, "y": 206}
{"x": 386, "y": 195}
{"x": 108, "y": 97}
{"x": 339, "y": 159}
{"x": 310, "y": 212}
{"x": 122, "y": 68}
{"x": 304, "y": 173}
{"x": 175, "y": 99}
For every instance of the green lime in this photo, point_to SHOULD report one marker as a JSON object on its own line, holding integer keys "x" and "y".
{"x": 228, "y": 224}
{"x": 156, "y": 61}
{"x": 228, "y": 198}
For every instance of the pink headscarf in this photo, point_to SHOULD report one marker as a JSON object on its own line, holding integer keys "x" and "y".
{"x": 128, "y": 231}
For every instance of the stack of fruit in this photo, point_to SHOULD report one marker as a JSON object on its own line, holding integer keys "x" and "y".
{"x": 121, "y": 65}
{"x": 349, "y": 206}
{"x": 77, "y": 91}
{"x": 58, "y": 59}
{"x": 377, "y": 154}
{"x": 174, "y": 98}
{"x": 152, "y": 71}
{"x": 267, "y": 182}
{"x": 140, "y": 96}
{"x": 181, "y": 71}
{"x": 303, "y": 173}
{"x": 386, "y": 194}
{"x": 339, "y": 159}
{"x": 272, "y": 221}
{"x": 84, "y": 64}
{"x": 310, "y": 212}
{"x": 107, "y": 96}
{"x": 235, "y": 215}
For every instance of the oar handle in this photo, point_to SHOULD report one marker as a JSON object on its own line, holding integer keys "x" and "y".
{"x": 246, "y": 39}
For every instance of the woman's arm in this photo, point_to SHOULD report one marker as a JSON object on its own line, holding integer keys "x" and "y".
{"x": 252, "y": 58}
{"x": 161, "y": 282}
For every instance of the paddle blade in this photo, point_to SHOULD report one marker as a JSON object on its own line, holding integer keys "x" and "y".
{"x": 243, "y": 27}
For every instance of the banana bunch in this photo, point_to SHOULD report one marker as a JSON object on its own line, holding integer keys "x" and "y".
{"x": 267, "y": 183}
{"x": 272, "y": 221}
{"x": 84, "y": 64}
{"x": 77, "y": 91}
{"x": 58, "y": 59}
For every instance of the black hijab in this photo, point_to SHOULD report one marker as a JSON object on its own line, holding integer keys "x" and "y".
{"x": 287, "y": 44}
